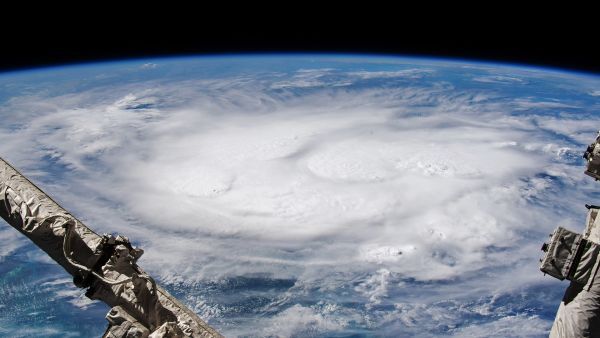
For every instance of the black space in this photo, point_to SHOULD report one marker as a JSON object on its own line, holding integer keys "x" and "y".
{"x": 562, "y": 39}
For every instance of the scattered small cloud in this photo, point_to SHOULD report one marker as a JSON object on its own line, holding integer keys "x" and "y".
{"x": 149, "y": 65}
{"x": 595, "y": 93}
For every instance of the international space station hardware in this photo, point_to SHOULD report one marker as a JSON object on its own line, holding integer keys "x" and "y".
{"x": 569, "y": 256}
{"x": 574, "y": 256}
{"x": 592, "y": 156}
{"x": 105, "y": 265}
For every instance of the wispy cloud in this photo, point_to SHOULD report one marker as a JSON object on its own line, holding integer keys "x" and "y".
{"x": 413, "y": 73}
{"x": 510, "y": 326}
{"x": 499, "y": 79}
{"x": 328, "y": 77}
{"x": 530, "y": 103}
{"x": 306, "y": 78}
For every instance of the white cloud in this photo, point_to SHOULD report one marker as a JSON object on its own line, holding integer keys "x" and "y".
{"x": 530, "y": 103}
{"x": 40, "y": 331}
{"x": 413, "y": 73}
{"x": 499, "y": 79}
{"x": 331, "y": 78}
{"x": 11, "y": 241}
{"x": 64, "y": 290}
{"x": 301, "y": 321}
{"x": 510, "y": 326}
{"x": 427, "y": 183}
{"x": 149, "y": 65}
{"x": 305, "y": 78}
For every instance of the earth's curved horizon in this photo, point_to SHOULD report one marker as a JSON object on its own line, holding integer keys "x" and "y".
{"x": 305, "y": 195}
